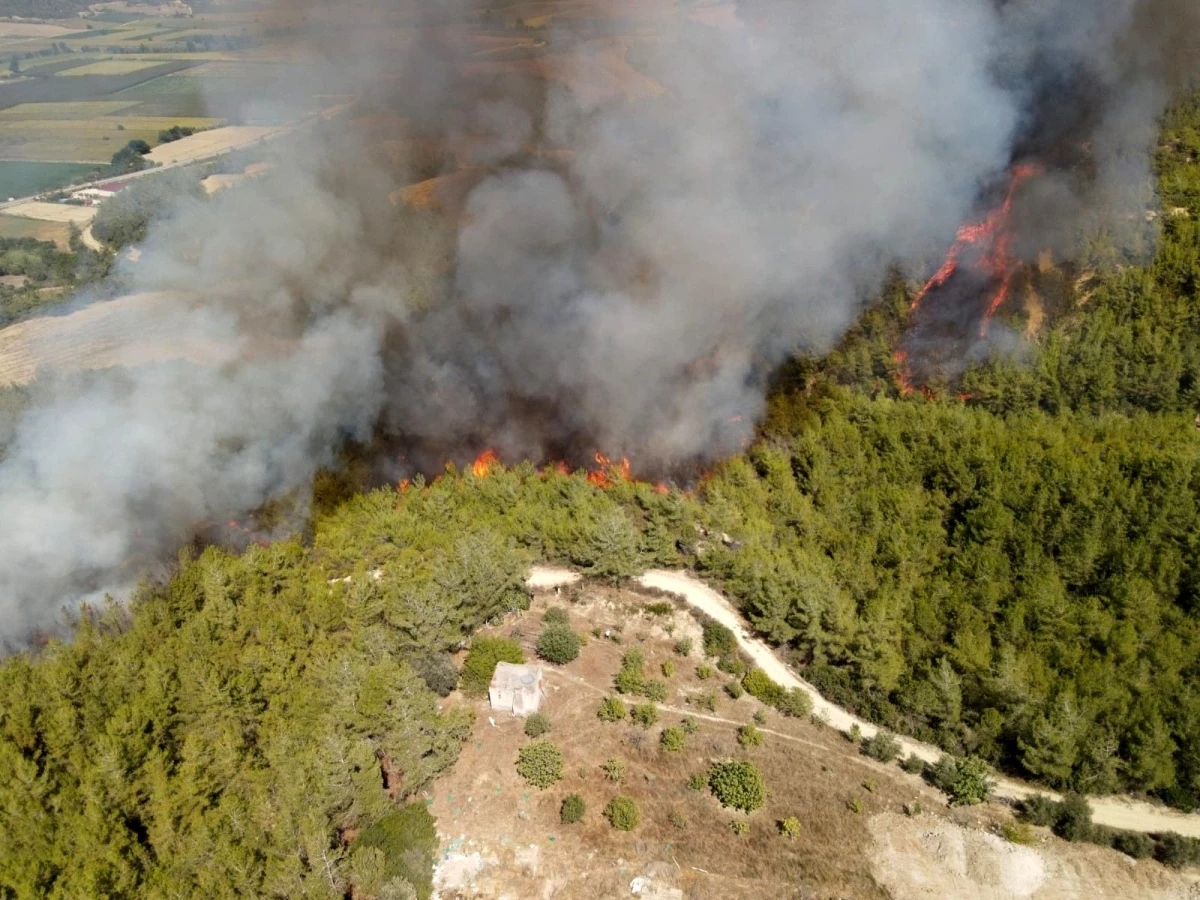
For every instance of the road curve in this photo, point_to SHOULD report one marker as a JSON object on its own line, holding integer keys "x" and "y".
{"x": 1114, "y": 812}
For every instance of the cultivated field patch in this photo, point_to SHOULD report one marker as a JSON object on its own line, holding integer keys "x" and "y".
{"x": 40, "y": 230}
{"x": 85, "y": 109}
{"x": 20, "y": 178}
{"x": 84, "y": 140}
{"x": 109, "y": 67}
{"x": 54, "y": 212}
{"x": 209, "y": 142}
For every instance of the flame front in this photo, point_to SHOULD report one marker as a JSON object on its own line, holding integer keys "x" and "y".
{"x": 484, "y": 463}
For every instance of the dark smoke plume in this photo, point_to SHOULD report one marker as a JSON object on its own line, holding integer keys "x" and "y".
{"x": 643, "y": 209}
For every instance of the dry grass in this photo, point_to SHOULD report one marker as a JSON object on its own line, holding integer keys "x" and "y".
{"x": 209, "y": 142}
{"x": 33, "y": 30}
{"x": 16, "y": 227}
{"x": 53, "y": 212}
{"x": 811, "y": 773}
{"x": 83, "y": 109}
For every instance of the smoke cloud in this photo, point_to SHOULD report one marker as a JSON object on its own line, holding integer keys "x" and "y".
{"x": 637, "y": 222}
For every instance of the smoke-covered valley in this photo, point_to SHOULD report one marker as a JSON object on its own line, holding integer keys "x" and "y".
{"x": 651, "y": 213}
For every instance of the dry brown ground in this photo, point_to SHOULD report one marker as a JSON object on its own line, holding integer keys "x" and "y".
{"x": 811, "y": 772}
{"x": 207, "y": 143}
{"x": 53, "y": 212}
{"x": 502, "y": 838}
{"x": 19, "y": 227}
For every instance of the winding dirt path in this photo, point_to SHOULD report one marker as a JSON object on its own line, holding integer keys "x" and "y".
{"x": 1115, "y": 812}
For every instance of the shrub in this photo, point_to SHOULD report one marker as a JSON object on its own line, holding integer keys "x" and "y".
{"x": 540, "y": 764}
{"x": 438, "y": 673}
{"x": 654, "y": 690}
{"x": 668, "y": 668}
{"x": 672, "y": 739}
{"x": 677, "y": 819}
{"x": 683, "y": 646}
{"x": 737, "y": 784}
{"x": 738, "y": 827}
{"x": 633, "y": 658}
{"x": 731, "y": 665}
{"x": 645, "y": 714}
{"x": 854, "y": 735}
{"x": 704, "y": 672}
{"x": 629, "y": 681}
{"x": 758, "y": 685}
{"x": 480, "y": 664}
{"x": 790, "y": 828}
{"x": 913, "y": 765}
{"x": 406, "y": 841}
{"x": 1074, "y": 821}
{"x": 698, "y": 781}
{"x": 689, "y": 725}
{"x": 965, "y": 780}
{"x": 537, "y": 725}
{"x": 734, "y": 689}
{"x": 749, "y": 736}
{"x": 613, "y": 769}
{"x": 1175, "y": 850}
{"x": 558, "y": 644}
{"x": 718, "y": 640}
{"x": 795, "y": 703}
{"x": 623, "y": 814}
{"x": 661, "y": 608}
{"x": 759, "y": 717}
{"x": 572, "y": 809}
{"x": 1038, "y": 809}
{"x": 1017, "y": 832}
{"x": 556, "y": 615}
{"x": 612, "y": 709}
{"x": 707, "y": 702}
{"x": 882, "y": 747}
{"x": 1134, "y": 843}
{"x": 854, "y": 805}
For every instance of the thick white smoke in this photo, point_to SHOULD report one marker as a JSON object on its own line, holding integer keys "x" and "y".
{"x": 624, "y": 270}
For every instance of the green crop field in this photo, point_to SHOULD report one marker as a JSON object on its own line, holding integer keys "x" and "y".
{"x": 20, "y": 179}
{"x": 85, "y": 140}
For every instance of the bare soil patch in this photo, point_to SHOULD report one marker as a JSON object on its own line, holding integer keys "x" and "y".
{"x": 53, "y": 212}
{"x": 208, "y": 143}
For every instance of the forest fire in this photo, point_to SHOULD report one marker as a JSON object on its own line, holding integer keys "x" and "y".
{"x": 602, "y": 477}
{"x": 982, "y": 249}
{"x": 484, "y": 462}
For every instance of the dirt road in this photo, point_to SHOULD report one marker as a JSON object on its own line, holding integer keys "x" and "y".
{"x": 1115, "y": 812}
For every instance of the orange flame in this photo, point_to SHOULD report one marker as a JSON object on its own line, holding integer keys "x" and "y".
{"x": 602, "y": 477}
{"x": 484, "y": 463}
{"x": 661, "y": 488}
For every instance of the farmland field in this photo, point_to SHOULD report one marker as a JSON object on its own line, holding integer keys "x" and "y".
{"x": 83, "y": 87}
{"x": 19, "y": 179}
{"x": 84, "y": 140}
{"x": 110, "y": 67}
{"x": 18, "y": 227}
{"x": 43, "y": 112}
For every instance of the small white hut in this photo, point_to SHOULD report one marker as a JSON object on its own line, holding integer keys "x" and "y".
{"x": 516, "y": 689}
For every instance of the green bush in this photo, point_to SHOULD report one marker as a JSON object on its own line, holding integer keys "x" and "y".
{"x": 737, "y": 784}
{"x": 913, "y": 765}
{"x": 612, "y": 709}
{"x": 739, "y": 827}
{"x": 480, "y": 664}
{"x": 1074, "y": 822}
{"x": 645, "y": 714}
{"x": 406, "y": 841}
{"x": 556, "y": 615}
{"x": 623, "y": 814}
{"x": 683, "y": 646}
{"x": 654, "y": 690}
{"x": 749, "y": 736}
{"x": 1038, "y": 809}
{"x": 882, "y": 747}
{"x": 633, "y": 658}
{"x": 572, "y": 809}
{"x": 661, "y": 608}
{"x": 629, "y": 681}
{"x": 540, "y": 764}
{"x": 613, "y": 769}
{"x": 677, "y": 820}
{"x": 718, "y": 640}
{"x": 796, "y": 703}
{"x": 759, "y": 685}
{"x": 668, "y": 668}
{"x": 673, "y": 739}
{"x": 1175, "y": 850}
{"x": 734, "y": 689}
{"x": 759, "y": 717}
{"x": 697, "y": 781}
{"x": 854, "y": 805}
{"x": 537, "y": 725}
{"x": 790, "y": 828}
{"x": 704, "y": 671}
{"x": 973, "y": 783}
{"x": 438, "y": 672}
{"x": 558, "y": 644}
{"x": 1017, "y": 832}
{"x": 1134, "y": 843}
{"x": 707, "y": 702}
{"x": 689, "y": 725}
{"x": 731, "y": 665}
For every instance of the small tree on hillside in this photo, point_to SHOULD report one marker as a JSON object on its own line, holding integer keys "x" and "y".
{"x": 540, "y": 764}
{"x": 558, "y": 644}
{"x": 718, "y": 640}
{"x": 737, "y": 784}
{"x": 623, "y": 814}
